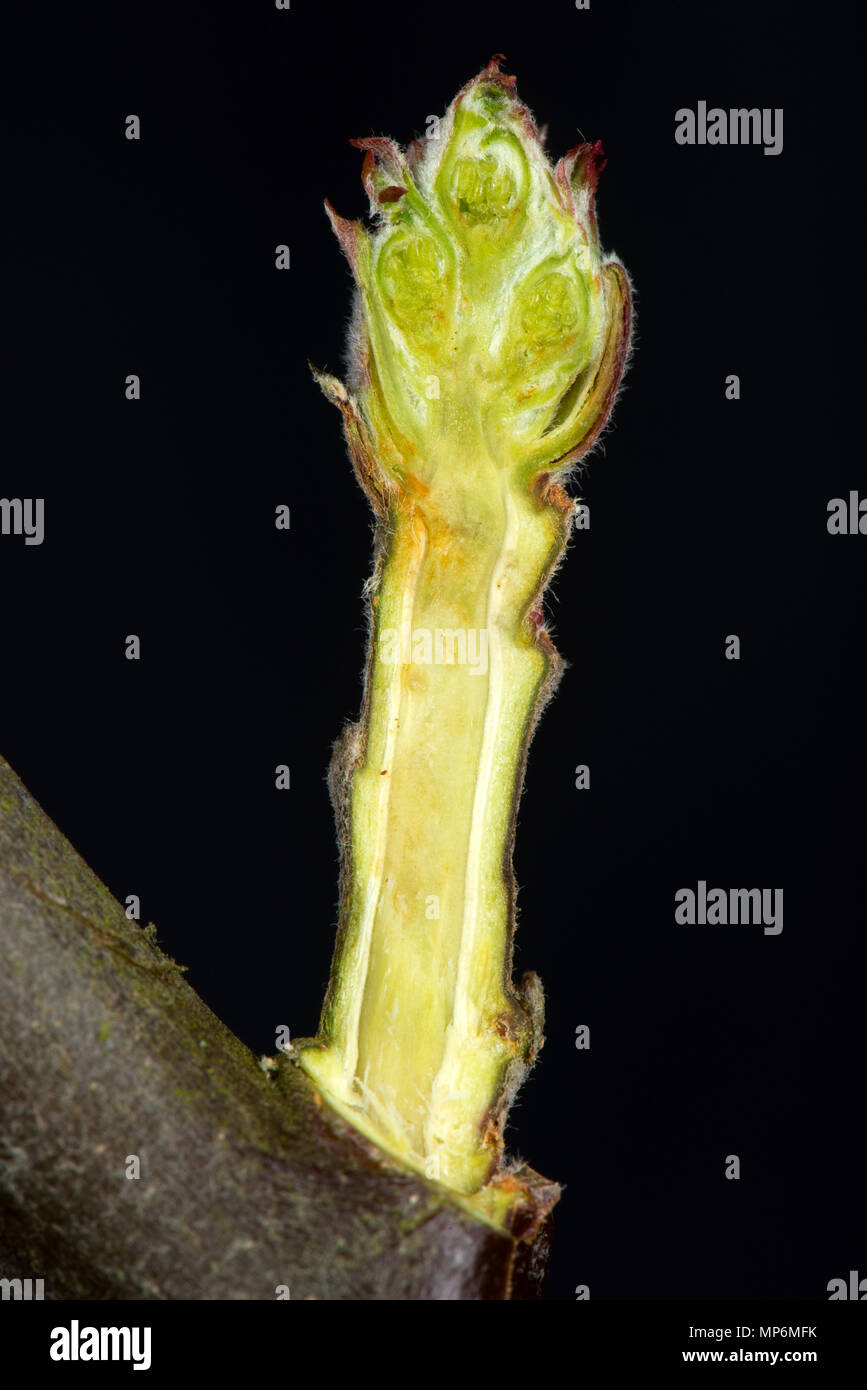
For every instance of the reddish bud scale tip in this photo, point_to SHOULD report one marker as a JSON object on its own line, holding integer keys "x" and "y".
{"x": 347, "y": 233}
{"x": 492, "y": 73}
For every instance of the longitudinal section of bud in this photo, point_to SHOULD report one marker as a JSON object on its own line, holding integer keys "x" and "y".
{"x": 488, "y": 338}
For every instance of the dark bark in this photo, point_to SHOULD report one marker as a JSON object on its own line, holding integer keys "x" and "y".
{"x": 248, "y": 1181}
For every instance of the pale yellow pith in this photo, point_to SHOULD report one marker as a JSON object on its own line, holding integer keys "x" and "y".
{"x": 420, "y": 1029}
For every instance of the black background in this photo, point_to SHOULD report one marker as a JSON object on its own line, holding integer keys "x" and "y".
{"x": 708, "y": 518}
